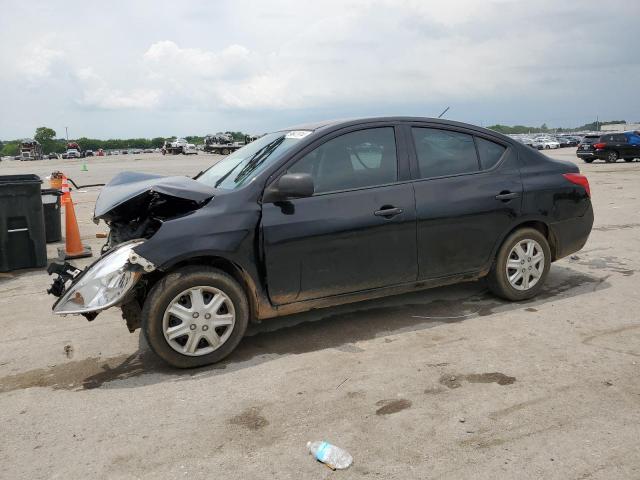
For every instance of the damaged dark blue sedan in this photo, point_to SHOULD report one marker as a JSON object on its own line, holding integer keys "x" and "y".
{"x": 320, "y": 215}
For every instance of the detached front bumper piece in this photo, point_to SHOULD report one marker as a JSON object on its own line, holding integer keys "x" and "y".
{"x": 102, "y": 285}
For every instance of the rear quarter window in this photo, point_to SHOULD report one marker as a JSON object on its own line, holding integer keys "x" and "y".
{"x": 490, "y": 152}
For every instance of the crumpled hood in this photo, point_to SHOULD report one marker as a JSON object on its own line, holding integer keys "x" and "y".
{"x": 129, "y": 185}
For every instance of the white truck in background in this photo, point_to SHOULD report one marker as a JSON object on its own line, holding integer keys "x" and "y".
{"x": 223, "y": 144}
{"x": 175, "y": 147}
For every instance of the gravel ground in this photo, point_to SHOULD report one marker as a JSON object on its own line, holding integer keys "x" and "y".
{"x": 447, "y": 383}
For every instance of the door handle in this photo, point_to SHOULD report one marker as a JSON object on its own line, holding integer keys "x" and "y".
{"x": 506, "y": 196}
{"x": 388, "y": 212}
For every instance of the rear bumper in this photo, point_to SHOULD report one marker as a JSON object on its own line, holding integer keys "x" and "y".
{"x": 585, "y": 155}
{"x": 571, "y": 235}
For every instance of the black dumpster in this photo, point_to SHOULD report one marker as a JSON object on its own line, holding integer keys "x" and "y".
{"x": 51, "y": 211}
{"x": 22, "y": 236}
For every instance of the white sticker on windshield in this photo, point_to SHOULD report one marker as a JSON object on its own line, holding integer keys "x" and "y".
{"x": 297, "y": 134}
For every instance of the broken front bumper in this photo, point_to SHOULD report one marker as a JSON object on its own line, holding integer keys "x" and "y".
{"x": 102, "y": 285}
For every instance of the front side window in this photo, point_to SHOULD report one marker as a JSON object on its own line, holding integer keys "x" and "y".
{"x": 443, "y": 152}
{"x": 364, "y": 158}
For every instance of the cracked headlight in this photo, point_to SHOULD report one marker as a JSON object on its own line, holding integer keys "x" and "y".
{"x": 102, "y": 285}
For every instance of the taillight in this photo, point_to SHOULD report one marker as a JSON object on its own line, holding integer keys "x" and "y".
{"x": 578, "y": 179}
{"x": 599, "y": 145}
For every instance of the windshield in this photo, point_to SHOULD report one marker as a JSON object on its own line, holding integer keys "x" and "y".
{"x": 242, "y": 165}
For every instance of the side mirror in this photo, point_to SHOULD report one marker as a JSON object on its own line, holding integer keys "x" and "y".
{"x": 296, "y": 185}
{"x": 290, "y": 185}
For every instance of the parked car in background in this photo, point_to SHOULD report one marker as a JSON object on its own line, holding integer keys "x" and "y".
{"x": 613, "y": 146}
{"x": 545, "y": 143}
{"x": 52, "y": 156}
{"x": 573, "y": 141}
{"x": 148, "y": 150}
{"x": 563, "y": 142}
{"x": 88, "y": 153}
{"x": 125, "y": 152}
{"x": 320, "y": 215}
{"x": 585, "y": 149}
{"x": 136, "y": 151}
{"x": 525, "y": 140}
{"x": 190, "y": 149}
{"x": 72, "y": 153}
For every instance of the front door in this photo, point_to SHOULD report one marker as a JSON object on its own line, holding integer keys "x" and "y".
{"x": 357, "y": 232}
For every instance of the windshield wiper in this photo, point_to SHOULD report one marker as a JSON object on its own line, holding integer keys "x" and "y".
{"x": 257, "y": 160}
{"x": 262, "y": 153}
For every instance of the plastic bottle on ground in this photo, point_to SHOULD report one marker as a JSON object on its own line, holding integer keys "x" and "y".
{"x": 332, "y": 456}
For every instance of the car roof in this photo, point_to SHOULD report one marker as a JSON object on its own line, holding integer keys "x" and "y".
{"x": 338, "y": 123}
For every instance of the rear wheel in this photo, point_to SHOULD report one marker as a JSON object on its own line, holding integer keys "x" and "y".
{"x": 628, "y": 160}
{"x": 521, "y": 265}
{"x": 612, "y": 156}
{"x": 225, "y": 151}
{"x": 588, "y": 160}
{"x": 195, "y": 316}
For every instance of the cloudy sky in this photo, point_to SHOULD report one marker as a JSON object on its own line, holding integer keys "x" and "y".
{"x": 160, "y": 68}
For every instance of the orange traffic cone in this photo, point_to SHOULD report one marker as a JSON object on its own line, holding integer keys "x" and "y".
{"x": 73, "y": 246}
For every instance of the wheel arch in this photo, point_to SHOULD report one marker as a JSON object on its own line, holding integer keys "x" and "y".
{"x": 230, "y": 268}
{"x": 538, "y": 225}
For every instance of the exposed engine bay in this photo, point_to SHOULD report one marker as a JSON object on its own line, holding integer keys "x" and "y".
{"x": 134, "y": 205}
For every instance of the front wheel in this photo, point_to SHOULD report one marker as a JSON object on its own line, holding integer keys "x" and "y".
{"x": 521, "y": 265}
{"x": 195, "y": 316}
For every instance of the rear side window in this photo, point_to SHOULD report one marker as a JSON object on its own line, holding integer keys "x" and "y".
{"x": 442, "y": 152}
{"x": 489, "y": 152}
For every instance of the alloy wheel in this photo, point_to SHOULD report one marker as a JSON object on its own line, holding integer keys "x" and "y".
{"x": 198, "y": 320}
{"x": 525, "y": 264}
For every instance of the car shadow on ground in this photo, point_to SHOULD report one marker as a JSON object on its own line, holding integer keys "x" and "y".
{"x": 337, "y": 327}
{"x": 341, "y": 327}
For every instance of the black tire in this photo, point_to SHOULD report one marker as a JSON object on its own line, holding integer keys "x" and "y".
{"x": 497, "y": 279}
{"x": 628, "y": 160}
{"x": 612, "y": 157}
{"x": 547, "y": 147}
{"x": 588, "y": 160}
{"x": 225, "y": 151}
{"x": 165, "y": 291}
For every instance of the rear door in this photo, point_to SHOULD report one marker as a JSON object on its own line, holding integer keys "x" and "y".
{"x": 357, "y": 232}
{"x": 468, "y": 193}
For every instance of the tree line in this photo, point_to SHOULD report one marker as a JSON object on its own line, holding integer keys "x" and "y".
{"x": 50, "y": 144}
{"x": 593, "y": 127}
{"x": 47, "y": 138}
